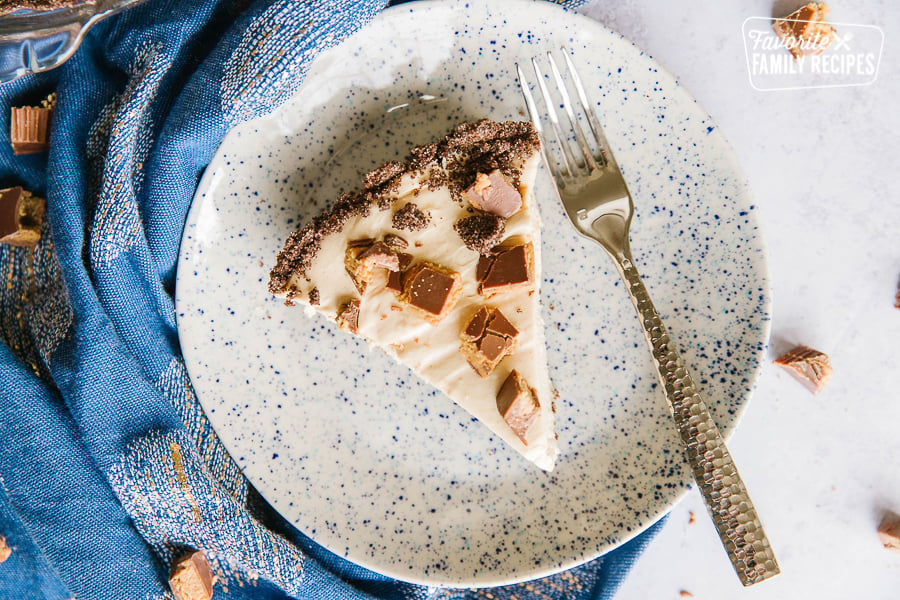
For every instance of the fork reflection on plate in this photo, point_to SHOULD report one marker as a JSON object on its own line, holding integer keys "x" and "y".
{"x": 595, "y": 196}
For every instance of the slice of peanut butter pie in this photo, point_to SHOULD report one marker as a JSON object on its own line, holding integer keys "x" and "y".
{"x": 436, "y": 261}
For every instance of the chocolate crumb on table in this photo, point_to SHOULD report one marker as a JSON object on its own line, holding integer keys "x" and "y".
{"x": 805, "y": 31}
{"x": 21, "y": 217}
{"x": 5, "y": 551}
{"x": 897, "y": 297}
{"x": 889, "y": 532}
{"x": 810, "y": 367}
{"x": 191, "y": 577}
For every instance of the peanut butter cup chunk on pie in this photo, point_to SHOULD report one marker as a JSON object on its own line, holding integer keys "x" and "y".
{"x": 436, "y": 260}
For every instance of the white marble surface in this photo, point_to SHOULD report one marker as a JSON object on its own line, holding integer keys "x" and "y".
{"x": 823, "y": 165}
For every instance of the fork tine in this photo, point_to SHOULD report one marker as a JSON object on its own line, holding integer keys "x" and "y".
{"x": 536, "y": 120}
{"x": 568, "y": 157}
{"x": 593, "y": 121}
{"x": 570, "y": 113}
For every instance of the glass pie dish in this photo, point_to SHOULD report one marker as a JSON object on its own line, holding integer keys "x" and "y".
{"x": 37, "y": 35}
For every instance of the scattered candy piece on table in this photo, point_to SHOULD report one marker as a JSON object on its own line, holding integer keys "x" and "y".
{"x": 191, "y": 577}
{"x": 808, "y": 366}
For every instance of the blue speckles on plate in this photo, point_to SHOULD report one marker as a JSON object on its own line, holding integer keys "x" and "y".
{"x": 350, "y": 446}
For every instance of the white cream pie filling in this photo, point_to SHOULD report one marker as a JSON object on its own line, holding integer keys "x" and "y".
{"x": 432, "y": 350}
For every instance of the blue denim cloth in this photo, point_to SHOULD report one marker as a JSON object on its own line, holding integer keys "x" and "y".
{"x": 108, "y": 467}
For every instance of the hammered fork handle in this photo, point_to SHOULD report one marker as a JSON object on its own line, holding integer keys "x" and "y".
{"x": 723, "y": 491}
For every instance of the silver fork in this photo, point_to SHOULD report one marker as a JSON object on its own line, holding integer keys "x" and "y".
{"x": 596, "y": 198}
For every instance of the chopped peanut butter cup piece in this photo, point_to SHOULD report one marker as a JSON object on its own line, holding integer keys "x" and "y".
{"x": 487, "y": 339}
{"x": 395, "y": 278}
{"x": 493, "y": 193}
{"x": 889, "y": 532}
{"x": 21, "y": 217}
{"x": 5, "y": 551}
{"x": 191, "y": 577}
{"x": 805, "y": 32}
{"x": 381, "y": 255}
{"x": 430, "y": 289}
{"x": 348, "y": 316}
{"x": 29, "y": 129}
{"x": 508, "y": 266}
{"x": 810, "y": 367}
{"x": 362, "y": 257}
{"x": 395, "y": 241}
{"x": 518, "y": 404}
{"x": 359, "y": 272}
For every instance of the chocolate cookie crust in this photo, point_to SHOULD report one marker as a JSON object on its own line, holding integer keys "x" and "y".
{"x": 455, "y": 161}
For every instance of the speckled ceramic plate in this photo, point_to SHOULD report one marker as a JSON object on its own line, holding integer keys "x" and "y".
{"x": 351, "y": 447}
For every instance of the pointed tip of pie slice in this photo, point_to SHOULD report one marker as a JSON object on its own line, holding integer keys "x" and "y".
{"x": 545, "y": 459}
{"x": 463, "y": 314}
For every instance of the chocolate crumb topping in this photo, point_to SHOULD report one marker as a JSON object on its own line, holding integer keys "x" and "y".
{"x": 435, "y": 179}
{"x": 388, "y": 173}
{"x": 410, "y": 218}
{"x": 468, "y": 149}
{"x": 314, "y": 297}
{"x": 480, "y": 232}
